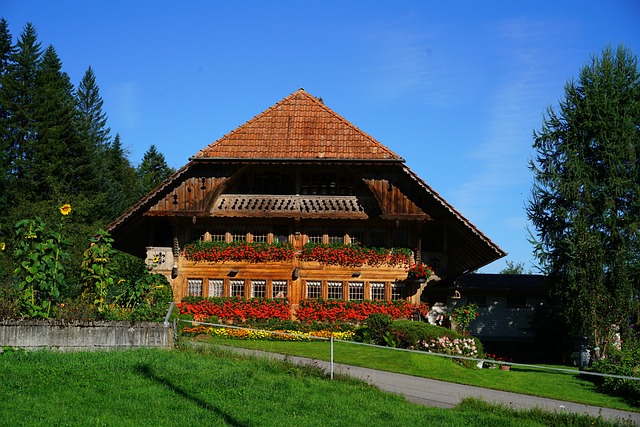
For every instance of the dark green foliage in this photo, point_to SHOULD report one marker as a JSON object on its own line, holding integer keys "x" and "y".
{"x": 17, "y": 98}
{"x": 623, "y": 362}
{"x": 514, "y": 268}
{"x": 93, "y": 121}
{"x": 584, "y": 203}
{"x": 55, "y": 149}
{"x": 63, "y": 161}
{"x": 120, "y": 193}
{"x": 379, "y": 327}
{"x": 7, "y": 51}
{"x": 152, "y": 171}
{"x": 408, "y": 334}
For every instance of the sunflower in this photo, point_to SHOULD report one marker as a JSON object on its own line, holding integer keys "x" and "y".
{"x": 65, "y": 209}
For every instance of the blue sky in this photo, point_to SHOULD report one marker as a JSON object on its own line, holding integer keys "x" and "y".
{"x": 457, "y": 89}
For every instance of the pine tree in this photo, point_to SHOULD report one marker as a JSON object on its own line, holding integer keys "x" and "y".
{"x": 122, "y": 193}
{"x": 17, "y": 98}
{"x": 63, "y": 161}
{"x": 584, "y": 202}
{"x": 93, "y": 119}
{"x": 7, "y": 50}
{"x": 152, "y": 171}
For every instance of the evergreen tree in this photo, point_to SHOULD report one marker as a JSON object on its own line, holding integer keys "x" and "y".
{"x": 584, "y": 204}
{"x": 93, "y": 119}
{"x": 122, "y": 174}
{"x": 152, "y": 171}
{"x": 17, "y": 99}
{"x": 7, "y": 50}
{"x": 63, "y": 161}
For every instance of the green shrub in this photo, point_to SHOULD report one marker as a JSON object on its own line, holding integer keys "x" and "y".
{"x": 409, "y": 334}
{"x": 625, "y": 362}
{"x": 421, "y": 336}
{"x": 380, "y": 329}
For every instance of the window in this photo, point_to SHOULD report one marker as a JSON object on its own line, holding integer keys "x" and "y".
{"x": 314, "y": 289}
{"x": 280, "y": 234}
{"x": 377, "y": 291}
{"x": 237, "y": 288}
{"x": 238, "y": 234}
{"x": 397, "y": 291}
{"x": 335, "y": 290}
{"x": 314, "y": 234}
{"x": 194, "y": 287}
{"x": 258, "y": 288}
{"x": 279, "y": 288}
{"x": 218, "y": 234}
{"x": 259, "y": 234}
{"x": 356, "y": 291}
{"x": 336, "y": 234}
{"x": 216, "y": 287}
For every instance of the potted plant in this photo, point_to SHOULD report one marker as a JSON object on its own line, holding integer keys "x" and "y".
{"x": 419, "y": 272}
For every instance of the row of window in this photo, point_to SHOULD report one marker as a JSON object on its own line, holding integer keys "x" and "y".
{"x": 280, "y": 233}
{"x": 353, "y": 291}
{"x": 236, "y": 288}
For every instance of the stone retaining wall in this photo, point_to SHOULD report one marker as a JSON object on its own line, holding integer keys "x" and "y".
{"x": 83, "y": 335}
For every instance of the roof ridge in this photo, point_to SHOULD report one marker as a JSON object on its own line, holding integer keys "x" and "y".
{"x": 308, "y": 132}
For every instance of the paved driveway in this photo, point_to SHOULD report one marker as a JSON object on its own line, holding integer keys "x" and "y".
{"x": 442, "y": 394}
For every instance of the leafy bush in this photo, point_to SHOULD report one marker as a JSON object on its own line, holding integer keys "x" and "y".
{"x": 379, "y": 326}
{"x": 409, "y": 334}
{"x": 625, "y": 362}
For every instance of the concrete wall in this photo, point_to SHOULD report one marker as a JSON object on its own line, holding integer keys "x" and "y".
{"x": 71, "y": 335}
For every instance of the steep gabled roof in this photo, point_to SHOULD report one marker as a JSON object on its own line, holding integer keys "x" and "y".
{"x": 300, "y": 127}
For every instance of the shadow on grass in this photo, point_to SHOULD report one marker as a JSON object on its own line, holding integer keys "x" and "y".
{"x": 146, "y": 372}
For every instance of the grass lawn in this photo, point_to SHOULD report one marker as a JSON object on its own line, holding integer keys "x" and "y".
{"x": 212, "y": 387}
{"x": 537, "y": 382}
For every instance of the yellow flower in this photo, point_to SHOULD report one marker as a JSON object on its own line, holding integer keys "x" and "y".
{"x": 2, "y": 246}
{"x": 65, "y": 209}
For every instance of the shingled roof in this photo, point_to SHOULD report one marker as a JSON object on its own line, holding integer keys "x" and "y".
{"x": 300, "y": 127}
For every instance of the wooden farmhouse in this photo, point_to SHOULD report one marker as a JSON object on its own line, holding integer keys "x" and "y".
{"x": 296, "y": 177}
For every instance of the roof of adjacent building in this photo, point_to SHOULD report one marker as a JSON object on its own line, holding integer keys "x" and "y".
{"x": 298, "y": 127}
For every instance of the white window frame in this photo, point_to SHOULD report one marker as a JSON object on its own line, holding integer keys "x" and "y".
{"x": 376, "y": 291}
{"x": 398, "y": 291}
{"x": 356, "y": 291}
{"x": 258, "y": 288}
{"x": 334, "y": 289}
{"x": 194, "y": 287}
{"x": 315, "y": 286}
{"x": 279, "y": 288}
{"x": 236, "y": 288}
{"x": 216, "y": 288}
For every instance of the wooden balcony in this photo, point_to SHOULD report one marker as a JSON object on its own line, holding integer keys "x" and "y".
{"x": 309, "y": 206}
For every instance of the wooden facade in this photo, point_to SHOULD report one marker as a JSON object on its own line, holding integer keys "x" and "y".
{"x": 299, "y": 173}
